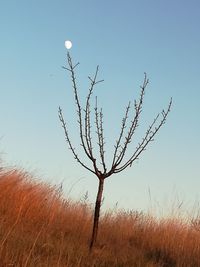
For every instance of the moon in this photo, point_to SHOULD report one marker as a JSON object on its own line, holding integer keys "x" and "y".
{"x": 68, "y": 44}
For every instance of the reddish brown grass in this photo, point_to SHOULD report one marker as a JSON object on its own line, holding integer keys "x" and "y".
{"x": 38, "y": 227}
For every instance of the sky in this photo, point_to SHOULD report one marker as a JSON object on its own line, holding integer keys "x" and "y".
{"x": 126, "y": 39}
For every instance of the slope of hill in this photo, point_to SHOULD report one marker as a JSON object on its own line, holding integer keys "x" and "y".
{"x": 38, "y": 227}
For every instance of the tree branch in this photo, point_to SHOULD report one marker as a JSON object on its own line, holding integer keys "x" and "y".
{"x": 79, "y": 110}
{"x": 69, "y": 142}
{"x": 117, "y": 146}
{"x": 87, "y": 113}
{"x": 102, "y": 151}
{"x": 148, "y": 138}
{"x": 99, "y": 131}
{"x": 134, "y": 123}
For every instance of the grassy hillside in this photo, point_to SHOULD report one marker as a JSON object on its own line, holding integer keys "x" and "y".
{"x": 38, "y": 227}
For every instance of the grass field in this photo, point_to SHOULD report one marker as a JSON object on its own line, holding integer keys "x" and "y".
{"x": 38, "y": 227}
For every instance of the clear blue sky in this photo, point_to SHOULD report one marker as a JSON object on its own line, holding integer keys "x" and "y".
{"x": 125, "y": 38}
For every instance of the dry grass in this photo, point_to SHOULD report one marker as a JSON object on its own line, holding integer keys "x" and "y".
{"x": 38, "y": 227}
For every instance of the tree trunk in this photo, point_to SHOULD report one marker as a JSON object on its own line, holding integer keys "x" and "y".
{"x": 97, "y": 213}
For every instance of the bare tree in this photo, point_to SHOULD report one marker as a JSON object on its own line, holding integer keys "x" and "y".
{"x": 122, "y": 143}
